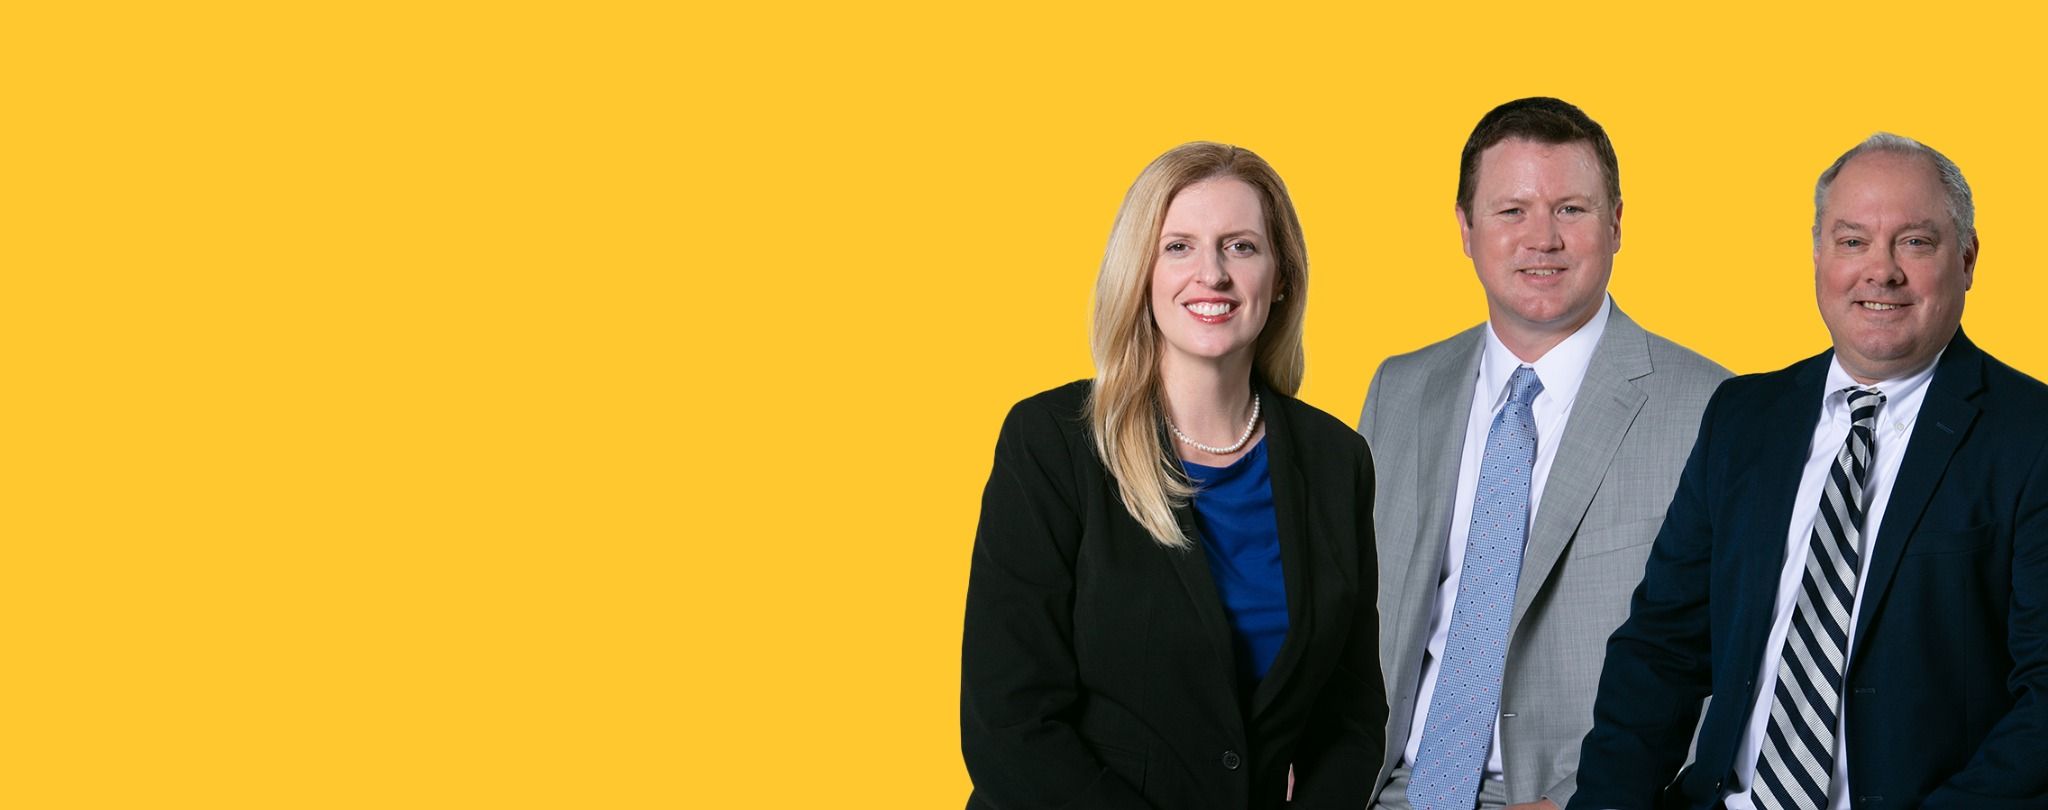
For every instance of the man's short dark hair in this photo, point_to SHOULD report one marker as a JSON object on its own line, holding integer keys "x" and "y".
{"x": 1542, "y": 120}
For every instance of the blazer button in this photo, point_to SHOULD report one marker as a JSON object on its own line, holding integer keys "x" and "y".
{"x": 1231, "y": 760}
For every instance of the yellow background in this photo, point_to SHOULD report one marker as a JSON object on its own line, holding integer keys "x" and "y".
{"x": 587, "y": 404}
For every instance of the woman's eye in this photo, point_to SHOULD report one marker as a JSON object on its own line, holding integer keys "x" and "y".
{"x": 1243, "y": 248}
{"x": 1177, "y": 247}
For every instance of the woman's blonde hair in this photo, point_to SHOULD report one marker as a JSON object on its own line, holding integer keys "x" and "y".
{"x": 1125, "y": 407}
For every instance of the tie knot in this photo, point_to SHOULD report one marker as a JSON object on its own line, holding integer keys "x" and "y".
{"x": 1524, "y": 386}
{"x": 1863, "y": 404}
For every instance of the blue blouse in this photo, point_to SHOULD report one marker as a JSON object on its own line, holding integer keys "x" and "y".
{"x": 1234, "y": 510}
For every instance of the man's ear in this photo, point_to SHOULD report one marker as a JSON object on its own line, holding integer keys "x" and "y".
{"x": 1970, "y": 261}
{"x": 1464, "y": 229}
{"x": 1617, "y": 226}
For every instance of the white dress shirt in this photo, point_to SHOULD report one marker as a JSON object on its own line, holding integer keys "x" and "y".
{"x": 1561, "y": 370}
{"x": 1893, "y": 431}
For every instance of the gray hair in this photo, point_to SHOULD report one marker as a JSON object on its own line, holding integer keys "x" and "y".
{"x": 1960, "y": 207}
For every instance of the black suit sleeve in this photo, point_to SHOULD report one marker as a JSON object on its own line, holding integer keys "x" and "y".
{"x": 1019, "y": 691}
{"x": 1658, "y": 665}
{"x": 1341, "y": 749}
{"x": 2007, "y": 769}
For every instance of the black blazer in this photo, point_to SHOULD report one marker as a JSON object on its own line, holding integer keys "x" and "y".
{"x": 1946, "y": 694}
{"x": 1097, "y": 668}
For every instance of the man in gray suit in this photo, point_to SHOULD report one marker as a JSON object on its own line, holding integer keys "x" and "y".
{"x": 1524, "y": 468}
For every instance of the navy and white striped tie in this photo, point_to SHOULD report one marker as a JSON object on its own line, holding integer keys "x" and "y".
{"x": 1798, "y": 757}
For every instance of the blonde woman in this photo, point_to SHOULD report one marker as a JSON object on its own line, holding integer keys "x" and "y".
{"x": 1172, "y": 596}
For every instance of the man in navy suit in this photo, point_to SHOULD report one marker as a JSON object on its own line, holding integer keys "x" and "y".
{"x": 1855, "y": 566}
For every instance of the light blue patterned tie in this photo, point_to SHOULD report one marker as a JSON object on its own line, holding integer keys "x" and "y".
{"x": 1459, "y": 730}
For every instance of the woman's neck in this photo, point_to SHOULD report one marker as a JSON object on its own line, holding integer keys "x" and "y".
{"x": 1208, "y": 401}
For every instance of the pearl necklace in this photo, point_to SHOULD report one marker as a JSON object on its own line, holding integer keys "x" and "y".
{"x": 1221, "y": 451}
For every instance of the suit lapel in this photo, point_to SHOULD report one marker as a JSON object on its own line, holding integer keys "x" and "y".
{"x": 1769, "y": 478}
{"x": 1445, "y": 403}
{"x": 1945, "y": 417}
{"x": 1607, "y": 402}
{"x": 1290, "y": 509}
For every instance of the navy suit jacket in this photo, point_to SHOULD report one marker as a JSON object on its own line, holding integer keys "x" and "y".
{"x": 1944, "y": 694}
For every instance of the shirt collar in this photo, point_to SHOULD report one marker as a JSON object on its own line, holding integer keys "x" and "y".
{"x": 1561, "y": 369}
{"x": 1896, "y": 390}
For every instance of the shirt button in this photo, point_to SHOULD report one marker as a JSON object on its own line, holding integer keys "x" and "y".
{"x": 1231, "y": 760}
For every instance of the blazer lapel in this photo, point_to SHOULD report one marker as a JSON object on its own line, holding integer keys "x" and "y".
{"x": 1945, "y": 417}
{"x": 1192, "y": 567}
{"x": 1607, "y": 403}
{"x": 1290, "y": 509}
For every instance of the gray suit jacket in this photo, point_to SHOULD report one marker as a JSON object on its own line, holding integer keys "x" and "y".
{"x": 1631, "y": 427}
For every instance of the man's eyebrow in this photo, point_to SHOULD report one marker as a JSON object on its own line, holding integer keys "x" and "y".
{"x": 1924, "y": 225}
{"x": 1526, "y": 199}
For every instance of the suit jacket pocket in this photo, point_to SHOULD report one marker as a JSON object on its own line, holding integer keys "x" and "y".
{"x": 1128, "y": 765}
{"x": 1597, "y": 540}
{"x": 1947, "y": 541}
